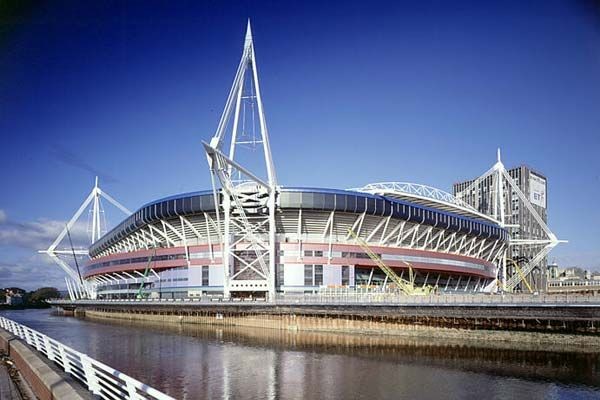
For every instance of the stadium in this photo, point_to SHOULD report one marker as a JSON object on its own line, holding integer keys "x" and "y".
{"x": 448, "y": 245}
{"x": 251, "y": 236}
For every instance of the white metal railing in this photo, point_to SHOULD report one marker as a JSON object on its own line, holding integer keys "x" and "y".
{"x": 102, "y": 380}
{"x": 365, "y": 297}
{"x": 578, "y": 283}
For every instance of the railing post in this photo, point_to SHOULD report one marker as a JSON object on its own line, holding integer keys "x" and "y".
{"x": 90, "y": 374}
{"x": 28, "y": 337}
{"x": 131, "y": 390}
{"x": 49, "y": 349}
{"x": 66, "y": 362}
{"x": 15, "y": 329}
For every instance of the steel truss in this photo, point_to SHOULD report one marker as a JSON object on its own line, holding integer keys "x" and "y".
{"x": 495, "y": 198}
{"x": 418, "y": 191}
{"x": 316, "y": 227}
{"x": 310, "y": 226}
{"x": 248, "y": 208}
{"x": 78, "y": 288}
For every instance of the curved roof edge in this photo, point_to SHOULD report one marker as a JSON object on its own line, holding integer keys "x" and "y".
{"x": 203, "y": 201}
{"x": 424, "y": 194}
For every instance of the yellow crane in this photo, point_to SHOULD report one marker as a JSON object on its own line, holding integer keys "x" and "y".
{"x": 140, "y": 293}
{"x": 406, "y": 286}
{"x": 520, "y": 272}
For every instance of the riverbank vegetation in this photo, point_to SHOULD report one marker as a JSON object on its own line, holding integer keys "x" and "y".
{"x": 17, "y": 298}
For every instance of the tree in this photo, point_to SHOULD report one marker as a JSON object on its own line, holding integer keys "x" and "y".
{"x": 43, "y": 294}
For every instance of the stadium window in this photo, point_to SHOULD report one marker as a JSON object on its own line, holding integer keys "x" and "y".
{"x": 280, "y": 275}
{"x": 308, "y": 275}
{"x": 308, "y": 253}
{"x": 205, "y": 275}
{"x": 345, "y": 275}
{"x": 318, "y": 253}
{"x": 318, "y": 275}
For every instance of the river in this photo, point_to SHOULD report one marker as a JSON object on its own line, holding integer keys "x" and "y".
{"x": 205, "y": 362}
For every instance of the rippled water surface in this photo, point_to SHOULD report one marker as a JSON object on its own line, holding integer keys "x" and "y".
{"x": 203, "y": 362}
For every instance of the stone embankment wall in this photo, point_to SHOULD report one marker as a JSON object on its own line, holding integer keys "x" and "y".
{"x": 344, "y": 324}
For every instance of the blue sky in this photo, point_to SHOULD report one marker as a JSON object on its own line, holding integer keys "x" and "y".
{"x": 354, "y": 92}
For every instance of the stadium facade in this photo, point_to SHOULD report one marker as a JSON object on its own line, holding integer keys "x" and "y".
{"x": 446, "y": 244}
{"x": 250, "y": 235}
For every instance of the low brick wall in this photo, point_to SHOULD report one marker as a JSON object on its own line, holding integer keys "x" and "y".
{"x": 46, "y": 380}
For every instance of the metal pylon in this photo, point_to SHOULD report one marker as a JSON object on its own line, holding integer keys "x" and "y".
{"x": 79, "y": 288}
{"x": 496, "y": 206}
{"x": 246, "y": 202}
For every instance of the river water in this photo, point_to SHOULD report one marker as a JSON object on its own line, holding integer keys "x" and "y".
{"x": 204, "y": 362}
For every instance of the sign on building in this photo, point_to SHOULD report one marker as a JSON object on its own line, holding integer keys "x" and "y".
{"x": 537, "y": 190}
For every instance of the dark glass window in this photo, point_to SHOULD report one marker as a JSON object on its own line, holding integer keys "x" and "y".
{"x": 318, "y": 253}
{"x": 280, "y": 275}
{"x": 308, "y": 275}
{"x": 318, "y": 275}
{"x": 205, "y": 275}
{"x": 345, "y": 275}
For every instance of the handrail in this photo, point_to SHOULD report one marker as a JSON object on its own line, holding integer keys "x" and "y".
{"x": 102, "y": 380}
{"x": 360, "y": 297}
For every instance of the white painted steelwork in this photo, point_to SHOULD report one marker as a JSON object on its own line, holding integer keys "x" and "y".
{"x": 496, "y": 198}
{"x": 310, "y": 226}
{"x": 248, "y": 209}
{"x": 79, "y": 288}
{"x": 103, "y": 381}
{"x": 423, "y": 194}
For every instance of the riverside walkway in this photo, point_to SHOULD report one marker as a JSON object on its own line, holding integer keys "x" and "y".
{"x": 8, "y": 389}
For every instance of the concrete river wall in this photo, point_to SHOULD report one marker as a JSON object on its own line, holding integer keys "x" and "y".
{"x": 579, "y": 318}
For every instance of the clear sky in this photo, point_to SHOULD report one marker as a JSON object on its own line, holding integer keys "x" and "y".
{"x": 354, "y": 92}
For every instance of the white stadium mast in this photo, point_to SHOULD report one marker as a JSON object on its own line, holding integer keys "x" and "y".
{"x": 248, "y": 203}
{"x": 78, "y": 288}
{"x": 496, "y": 199}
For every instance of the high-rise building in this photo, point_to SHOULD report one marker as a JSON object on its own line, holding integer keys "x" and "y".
{"x": 518, "y": 219}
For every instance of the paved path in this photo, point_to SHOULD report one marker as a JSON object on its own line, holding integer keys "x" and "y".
{"x": 8, "y": 391}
